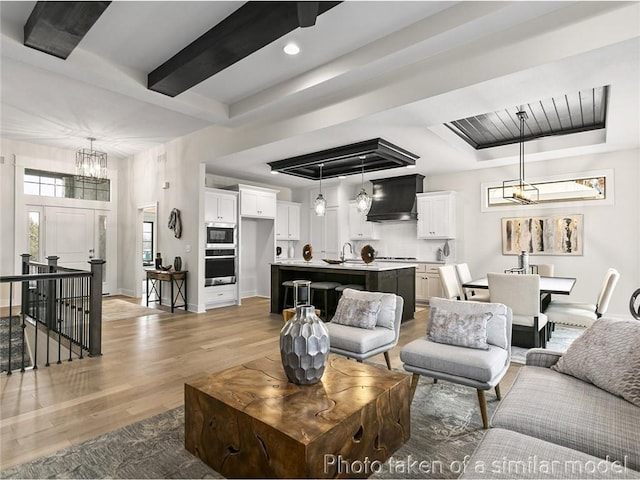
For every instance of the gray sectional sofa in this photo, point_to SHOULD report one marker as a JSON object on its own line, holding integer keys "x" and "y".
{"x": 552, "y": 425}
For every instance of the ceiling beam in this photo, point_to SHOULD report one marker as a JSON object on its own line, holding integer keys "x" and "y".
{"x": 250, "y": 28}
{"x": 57, "y": 28}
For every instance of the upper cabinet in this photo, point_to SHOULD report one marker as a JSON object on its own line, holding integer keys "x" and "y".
{"x": 288, "y": 221}
{"x": 437, "y": 215}
{"x": 220, "y": 206}
{"x": 324, "y": 233}
{"x": 359, "y": 227}
{"x": 257, "y": 202}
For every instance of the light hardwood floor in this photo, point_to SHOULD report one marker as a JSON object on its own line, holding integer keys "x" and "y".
{"x": 146, "y": 361}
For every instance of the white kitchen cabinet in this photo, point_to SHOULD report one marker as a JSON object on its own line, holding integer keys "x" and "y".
{"x": 325, "y": 234}
{"x": 220, "y": 296}
{"x": 427, "y": 282}
{"x": 359, "y": 227}
{"x": 220, "y": 206}
{"x": 287, "y": 221}
{"x": 437, "y": 215}
{"x": 257, "y": 202}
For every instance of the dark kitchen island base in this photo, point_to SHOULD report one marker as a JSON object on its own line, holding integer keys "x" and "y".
{"x": 375, "y": 277}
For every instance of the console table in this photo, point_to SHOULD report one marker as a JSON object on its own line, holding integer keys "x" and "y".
{"x": 178, "y": 281}
{"x": 251, "y": 422}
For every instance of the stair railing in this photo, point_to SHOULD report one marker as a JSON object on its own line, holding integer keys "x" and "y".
{"x": 61, "y": 304}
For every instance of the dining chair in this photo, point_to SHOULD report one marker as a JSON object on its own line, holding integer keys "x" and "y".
{"x": 522, "y": 294}
{"x": 584, "y": 314}
{"x": 451, "y": 288}
{"x": 464, "y": 276}
{"x": 545, "y": 269}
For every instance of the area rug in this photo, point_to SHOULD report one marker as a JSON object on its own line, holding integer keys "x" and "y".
{"x": 445, "y": 427}
{"x": 117, "y": 309}
{"x": 15, "y": 341}
{"x": 562, "y": 337}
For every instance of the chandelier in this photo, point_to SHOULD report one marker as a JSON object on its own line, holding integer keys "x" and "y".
{"x": 363, "y": 200}
{"x": 320, "y": 204}
{"x": 519, "y": 191}
{"x": 91, "y": 163}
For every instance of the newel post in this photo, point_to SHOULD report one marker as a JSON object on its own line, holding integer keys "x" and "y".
{"x": 24, "y": 303}
{"x": 95, "y": 310}
{"x": 51, "y": 293}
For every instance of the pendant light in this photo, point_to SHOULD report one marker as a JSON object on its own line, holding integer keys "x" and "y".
{"x": 320, "y": 204}
{"x": 91, "y": 164}
{"x": 363, "y": 200}
{"x": 519, "y": 191}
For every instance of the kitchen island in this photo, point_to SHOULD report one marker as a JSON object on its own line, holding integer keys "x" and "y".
{"x": 398, "y": 278}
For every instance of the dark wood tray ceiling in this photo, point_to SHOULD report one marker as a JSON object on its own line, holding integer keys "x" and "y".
{"x": 252, "y": 26}
{"x": 561, "y": 115}
{"x": 376, "y": 154}
{"x": 56, "y": 28}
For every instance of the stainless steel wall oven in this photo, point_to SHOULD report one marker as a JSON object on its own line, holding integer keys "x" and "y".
{"x": 220, "y": 266}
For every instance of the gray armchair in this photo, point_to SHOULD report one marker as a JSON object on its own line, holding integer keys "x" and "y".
{"x": 480, "y": 369}
{"x": 361, "y": 343}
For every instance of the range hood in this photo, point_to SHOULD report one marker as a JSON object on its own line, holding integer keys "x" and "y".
{"x": 394, "y": 199}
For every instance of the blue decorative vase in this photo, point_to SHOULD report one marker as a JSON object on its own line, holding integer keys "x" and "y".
{"x": 304, "y": 346}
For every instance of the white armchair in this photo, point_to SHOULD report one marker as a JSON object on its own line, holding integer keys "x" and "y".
{"x": 522, "y": 294}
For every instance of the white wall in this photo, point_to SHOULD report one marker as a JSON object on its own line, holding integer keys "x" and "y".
{"x": 611, "y": 236}
{"x": 142, "y": 180}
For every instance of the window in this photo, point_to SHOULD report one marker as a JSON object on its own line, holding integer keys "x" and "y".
{"x": 34, "y": 236}
{"x": 65, "y": 185}
{"x": 147, "y": 243}
{"x": 585, "y": 188}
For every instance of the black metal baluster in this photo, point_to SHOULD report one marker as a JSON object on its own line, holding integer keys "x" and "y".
{"x": 36, "y": 317}
{"x": 81, "y": 325}
{"x": 59, "y": 322}
{"x": 10, "y": 312}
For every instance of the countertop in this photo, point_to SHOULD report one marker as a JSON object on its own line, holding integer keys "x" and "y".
{"x": 360, "y": 262}
{"x": 374, "y": 266}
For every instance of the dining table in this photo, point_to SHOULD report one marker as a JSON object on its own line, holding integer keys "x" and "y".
{"x": 548, "y": 286}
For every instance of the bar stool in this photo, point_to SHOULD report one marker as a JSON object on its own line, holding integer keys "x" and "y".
{"x": 288, "y": 287}
{"x": 353, "y": 286}
{"x": 324, "y": 287}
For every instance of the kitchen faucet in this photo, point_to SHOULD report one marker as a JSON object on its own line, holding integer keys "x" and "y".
{"x": 342, "y": 251}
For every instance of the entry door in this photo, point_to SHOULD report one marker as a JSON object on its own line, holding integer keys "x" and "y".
{"x": 69, "y": 234}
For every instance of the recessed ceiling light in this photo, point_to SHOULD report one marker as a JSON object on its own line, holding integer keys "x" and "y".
{"x": 411, "y": 166}
{"x": 291, "y": 49}
{"x": 274, "y": 172}
{"x": 342, "y": 177}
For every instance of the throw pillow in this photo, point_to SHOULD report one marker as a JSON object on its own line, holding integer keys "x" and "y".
{"x": 357, "y": 313}
{"x": 461, "y": 329}
{"x": 607, "y": 355}
{"x": 387, "y": 315}
{"x": 497, "y": 325}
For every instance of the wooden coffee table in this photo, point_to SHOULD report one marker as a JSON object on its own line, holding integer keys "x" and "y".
{"x": 249, "y": 421}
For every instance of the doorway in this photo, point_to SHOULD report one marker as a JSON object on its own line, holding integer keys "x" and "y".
{"x": 146, "y": 244}
{"x": 75, "y": 235}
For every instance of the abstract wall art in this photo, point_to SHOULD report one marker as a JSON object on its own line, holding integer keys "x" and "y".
{"x": 550, "y": 235}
